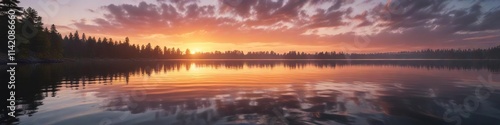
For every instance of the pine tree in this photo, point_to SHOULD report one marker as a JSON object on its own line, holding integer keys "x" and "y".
{"x": 188, "y": 52}
{"x": 56, "y": 42}
{"x": 127, "y": 41}
{"x": 165, "y": 51}
{"x": 31, "y": 17}
{"x": 76, "y": 36}
{"x": 84, "y": 39}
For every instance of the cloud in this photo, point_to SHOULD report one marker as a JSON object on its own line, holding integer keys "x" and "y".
{"x": 482, "y": 37}
{"x": 490, "y": 21}
{"x": 401, "y": 24}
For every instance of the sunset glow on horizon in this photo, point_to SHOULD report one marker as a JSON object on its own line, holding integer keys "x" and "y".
{"x": 282, "y": 25}
{"x": 251, "y": 62}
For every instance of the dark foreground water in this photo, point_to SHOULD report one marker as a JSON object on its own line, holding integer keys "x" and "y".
{"x": 259, "y": 92}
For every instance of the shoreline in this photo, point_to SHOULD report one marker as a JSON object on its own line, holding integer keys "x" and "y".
{"x": 90, "y": 60}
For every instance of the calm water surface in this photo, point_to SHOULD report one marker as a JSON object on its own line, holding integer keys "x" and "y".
{"x": 255, "y": 92}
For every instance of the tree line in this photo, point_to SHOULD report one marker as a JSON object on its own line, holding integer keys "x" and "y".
{"x": 489, "y": 53}
{"x": 77, "y": 46}
{"x": 35, "y": 41}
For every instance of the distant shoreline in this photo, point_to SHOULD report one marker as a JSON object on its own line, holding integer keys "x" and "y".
{"x": 90, "y": 60}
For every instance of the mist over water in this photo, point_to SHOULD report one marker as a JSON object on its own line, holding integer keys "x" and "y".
{"x": 296, "y": 92}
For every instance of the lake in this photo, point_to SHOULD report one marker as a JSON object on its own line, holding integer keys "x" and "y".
{"x": 260, "y": 92}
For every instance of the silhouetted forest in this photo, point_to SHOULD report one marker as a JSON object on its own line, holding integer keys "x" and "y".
{"x": 35, "y": 41}
{"x": 76, "y": 46}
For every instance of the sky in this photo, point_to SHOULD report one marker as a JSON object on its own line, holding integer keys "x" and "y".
{"x": 361, "y": 26}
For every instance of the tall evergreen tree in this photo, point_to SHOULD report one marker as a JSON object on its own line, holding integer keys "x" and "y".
{"x": 31, "y": 17}
{"x": 56, "y": 42}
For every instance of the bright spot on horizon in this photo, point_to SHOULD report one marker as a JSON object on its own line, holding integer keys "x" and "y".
{"x": 194, "y": 51}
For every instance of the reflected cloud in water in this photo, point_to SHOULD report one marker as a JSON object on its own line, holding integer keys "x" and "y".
{"x": 185, "y": 92}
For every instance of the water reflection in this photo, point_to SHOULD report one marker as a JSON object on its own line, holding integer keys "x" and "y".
{"x": 185, "y": 92}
